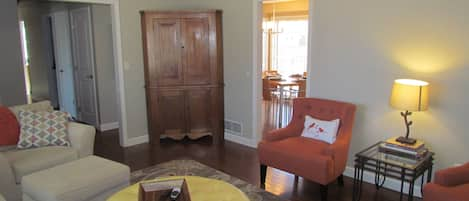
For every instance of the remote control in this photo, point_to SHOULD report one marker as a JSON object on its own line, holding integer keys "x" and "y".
{"x": 175, "y": 194}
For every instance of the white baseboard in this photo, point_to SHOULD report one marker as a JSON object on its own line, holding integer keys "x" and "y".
{"x": 136, "y": 140}
{"x": 392, "y": 184}
{"x": 109, "y": 126}
{"x": 240, "y": 140}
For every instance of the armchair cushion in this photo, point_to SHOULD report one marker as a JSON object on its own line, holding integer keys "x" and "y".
{"x": 453, "y": 176}
{"x": 24, "y": 162}
{"x": 435, "y": 192}
{"x": 303, "y": 156}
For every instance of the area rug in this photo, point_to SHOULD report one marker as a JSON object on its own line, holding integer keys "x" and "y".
{"x": 194, "y": 168}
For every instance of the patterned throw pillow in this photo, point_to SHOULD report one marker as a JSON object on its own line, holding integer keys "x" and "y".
{"x": 321, "y": 130}
{"x": 40, "y": 129}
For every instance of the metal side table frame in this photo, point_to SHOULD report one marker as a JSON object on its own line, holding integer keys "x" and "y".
{"x": 374, "y": 161}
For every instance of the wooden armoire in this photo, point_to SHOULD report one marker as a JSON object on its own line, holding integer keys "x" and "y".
{"x": 183, "y": 57}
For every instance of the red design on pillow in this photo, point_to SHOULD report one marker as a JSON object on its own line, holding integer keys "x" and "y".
{"x": 9, "y": 127}
{"x": 312, "y": 125}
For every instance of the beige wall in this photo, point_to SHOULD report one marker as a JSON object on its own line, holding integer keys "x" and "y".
{"x": 360, "y": 47}
{"x": 104, "y": 60}
{"x": 12, "y": 87}
{"x": 237, "y": 39}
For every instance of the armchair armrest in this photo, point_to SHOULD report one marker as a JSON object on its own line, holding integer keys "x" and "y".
{"x": 338, "y": 151}
{"x": 82, "y": 138}
{"x": 453, "y": 176}
{"x": 8, "y": 187}
{"x": 281, "y": 134}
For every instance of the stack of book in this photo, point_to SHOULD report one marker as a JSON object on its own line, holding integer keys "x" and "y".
{"x": 403, "y": 152}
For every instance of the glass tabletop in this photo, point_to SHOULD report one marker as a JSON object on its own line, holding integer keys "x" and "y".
{"x": 373, "y": 153}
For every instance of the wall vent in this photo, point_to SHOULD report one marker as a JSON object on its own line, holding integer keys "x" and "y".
{"x": 233, "y": 127}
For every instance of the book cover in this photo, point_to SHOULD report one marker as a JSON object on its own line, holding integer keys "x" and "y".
{"x": 400, "y": 149}
{"x": 401, "y": 153}
{"x": 418, "y": 145}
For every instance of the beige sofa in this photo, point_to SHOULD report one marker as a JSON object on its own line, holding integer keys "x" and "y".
{"x": 14, "y": 163}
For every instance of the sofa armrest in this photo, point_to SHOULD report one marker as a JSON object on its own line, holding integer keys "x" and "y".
{"x": 453, "y": 176}
{"x": 82, "y": 138}
{"x": 8, "y": 187}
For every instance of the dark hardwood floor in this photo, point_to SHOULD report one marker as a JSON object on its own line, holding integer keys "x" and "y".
{"x": 234, "y": 159}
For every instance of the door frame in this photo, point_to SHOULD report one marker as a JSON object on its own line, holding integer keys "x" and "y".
{"x": 119, "y": 66}
{"x": 257, "y": 62}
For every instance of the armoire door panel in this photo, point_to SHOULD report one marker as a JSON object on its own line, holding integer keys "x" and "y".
{"x": 171, "y": 112}
{"x": 199, "y": 105}
{"x": 196, "y": 53}
{"x": 167, "y": 69}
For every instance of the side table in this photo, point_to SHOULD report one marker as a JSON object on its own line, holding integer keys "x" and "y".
{"x": 383, "y": 165}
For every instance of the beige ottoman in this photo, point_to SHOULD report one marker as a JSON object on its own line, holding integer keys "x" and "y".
{"x": 90, "y": 178}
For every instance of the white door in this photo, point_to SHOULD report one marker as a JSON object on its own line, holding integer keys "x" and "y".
{"x": 83, "y": 60}
{"x": 64, "y": 62}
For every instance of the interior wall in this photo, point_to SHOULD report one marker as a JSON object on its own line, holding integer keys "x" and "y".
{"x": 238, "y": 58}
{"x": 360, "y": 47}
{"x": 104, "y": 60}
{"x": 12, "y": 85}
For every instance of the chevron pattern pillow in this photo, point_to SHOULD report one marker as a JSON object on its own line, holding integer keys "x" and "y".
{"x": 40, "y": 129}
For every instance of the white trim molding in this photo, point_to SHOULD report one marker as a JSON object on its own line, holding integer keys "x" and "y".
{"x": 240, "y": 140}
{"x": 137, "y": 140}
{"x": 109, "y": 126}
{"x": 390, "y": 183}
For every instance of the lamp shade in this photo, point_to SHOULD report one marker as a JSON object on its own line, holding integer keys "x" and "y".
{"x": 408, "y": 94}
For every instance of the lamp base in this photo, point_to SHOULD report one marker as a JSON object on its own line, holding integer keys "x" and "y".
{"x": 405, "y": 140}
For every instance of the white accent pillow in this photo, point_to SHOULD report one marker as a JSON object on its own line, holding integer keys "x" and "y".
{"x": 321, "y": 130}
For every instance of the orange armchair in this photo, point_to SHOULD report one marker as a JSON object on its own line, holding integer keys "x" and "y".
{"x": 317, "y": 161}
{"x": 449, "y": 184}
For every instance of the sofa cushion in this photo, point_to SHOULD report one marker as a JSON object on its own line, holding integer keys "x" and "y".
{"x": 301, "y": 155}
{"x": 39, "y": 106}
{"x": 9, "y": 127}
{"x": 24, "y": 162}
{"x": 78, "y": 180}
{"x": 40, "y": 129}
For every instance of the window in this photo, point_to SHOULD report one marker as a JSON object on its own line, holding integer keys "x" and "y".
{"x": 24, "y": 47}
{"x": 285, "y": 46}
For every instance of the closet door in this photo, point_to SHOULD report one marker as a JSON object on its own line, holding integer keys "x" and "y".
{"x": 164, "y": 52}
{"x": 196, "y": 53}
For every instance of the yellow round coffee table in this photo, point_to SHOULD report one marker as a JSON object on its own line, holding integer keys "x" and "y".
{"x": 200, "y": 189}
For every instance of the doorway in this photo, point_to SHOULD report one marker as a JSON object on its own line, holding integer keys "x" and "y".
{"x": 73, "y": 43}
{"x": 284, "y": 59}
